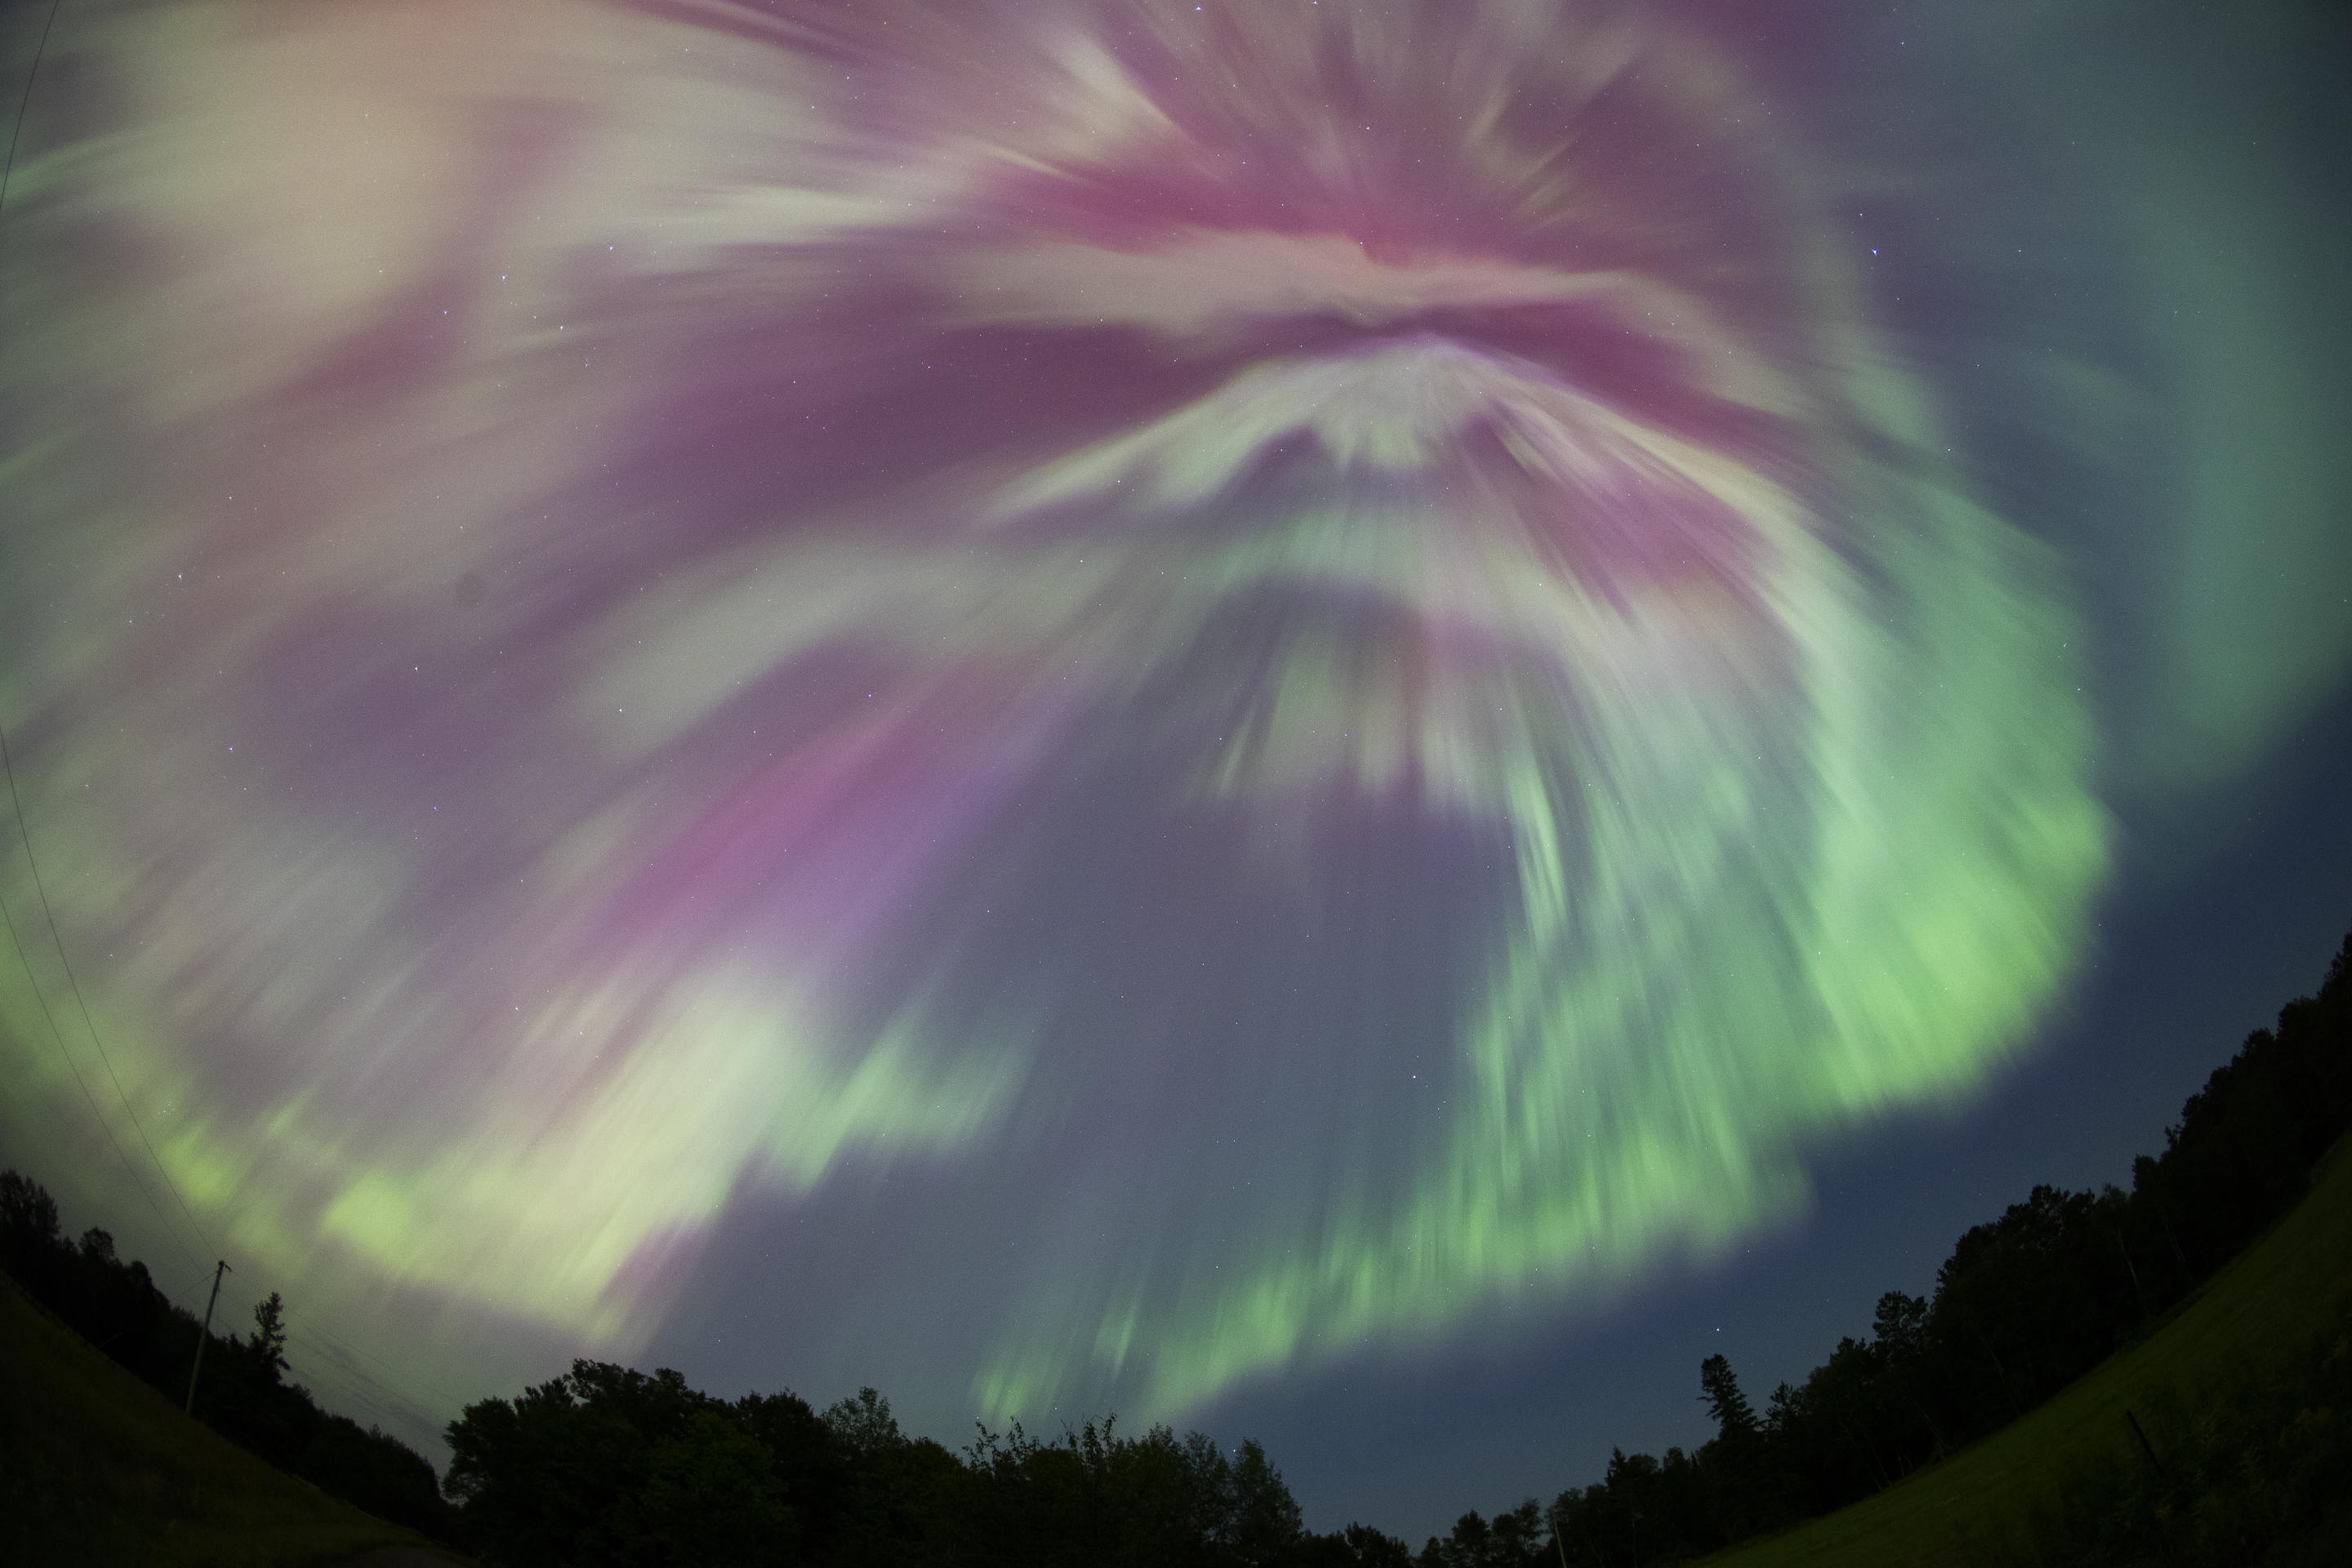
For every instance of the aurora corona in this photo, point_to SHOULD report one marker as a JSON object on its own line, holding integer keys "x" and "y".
{"x": 1253, "y": 680}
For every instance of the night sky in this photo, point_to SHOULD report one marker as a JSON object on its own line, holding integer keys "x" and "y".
{"x": 1357, "y": 723}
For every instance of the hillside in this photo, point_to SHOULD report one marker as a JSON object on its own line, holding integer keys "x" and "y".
{"x": 2285, "y": 1293}
{"x": 96, "y": 1468}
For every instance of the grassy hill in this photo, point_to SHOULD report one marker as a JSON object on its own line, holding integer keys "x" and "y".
{"x": 2287, "y": 1292}
{"x": 96, "y": 1467}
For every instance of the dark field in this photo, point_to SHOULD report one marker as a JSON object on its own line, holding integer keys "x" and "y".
{"x": 2007, "y": 1499}
{"x": 101, "y": 1469}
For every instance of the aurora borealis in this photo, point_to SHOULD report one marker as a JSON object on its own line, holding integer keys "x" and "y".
{"x": 1222, "y": 686}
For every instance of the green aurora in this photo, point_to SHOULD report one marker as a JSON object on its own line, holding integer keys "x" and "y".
{"x": 1200, "y": 732}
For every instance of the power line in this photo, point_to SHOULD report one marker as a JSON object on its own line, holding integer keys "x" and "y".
{"x": 26, "y": 102}
{"x": 383, "y": 1396}
{"x": 24, "y": 832}
{"x": 334, "y": 1351}
{"x": 73, "y": 1067}
{"x": 190, "y": 1287}
{"x": 56, "y": 938}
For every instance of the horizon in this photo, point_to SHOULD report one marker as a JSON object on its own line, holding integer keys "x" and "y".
{"x": 1361, "y": 749}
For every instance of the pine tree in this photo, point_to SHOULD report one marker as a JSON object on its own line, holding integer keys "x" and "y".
{"x": 1720, "y": 1390}
{"x": 269, "y": 1335}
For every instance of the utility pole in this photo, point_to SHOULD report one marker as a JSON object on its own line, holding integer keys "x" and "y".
{"x": 219, "y": 1268}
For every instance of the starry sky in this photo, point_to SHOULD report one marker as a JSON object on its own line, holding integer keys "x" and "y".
{"x": 1354, "y": 720}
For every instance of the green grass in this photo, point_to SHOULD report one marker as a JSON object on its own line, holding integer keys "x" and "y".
{"x": 2272, "y": 1302}
{"x": 96, "y": 1467}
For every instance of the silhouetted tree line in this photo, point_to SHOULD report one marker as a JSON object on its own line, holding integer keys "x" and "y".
{"x": 607, "y": 1467}
{"x": 610, "y": 1467}
{"x": 243, "y": 1394}
{"x": 2025, "y": 1304}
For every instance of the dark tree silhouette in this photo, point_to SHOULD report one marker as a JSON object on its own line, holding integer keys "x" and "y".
{"x": 607, "y": 1465}
{"x": 116, "y": 1306}
{"x": 2026, "y": 1303}
{"x": 269, "y": 1348}
{"x": 1734, "y": 1421}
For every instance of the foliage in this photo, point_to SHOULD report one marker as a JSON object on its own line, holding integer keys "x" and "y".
{"x": 99, "y": 1471}
{"x": 603, "y": 1467}
{"x": 607, "y": 1467}
{"x": 2025, "y": 1305}
{"x": 244, "y": 1396}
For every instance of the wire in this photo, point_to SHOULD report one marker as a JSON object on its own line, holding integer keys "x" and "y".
{"x": 194, "y": 1286}
{"x": 75, "y": 1067}
{"x": 384, "y": 1396}
{"x": 57, "y": 939}
{"x": 341, "y": 1356}
{"x": 24, "y": 832}
{"x": 336, "y": 1350}
{"x": 25, "y": 102}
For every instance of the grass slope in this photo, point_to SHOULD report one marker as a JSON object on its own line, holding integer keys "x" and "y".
{"x": 2276, "y": 1297}
{"x": 96, "y": 1467}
